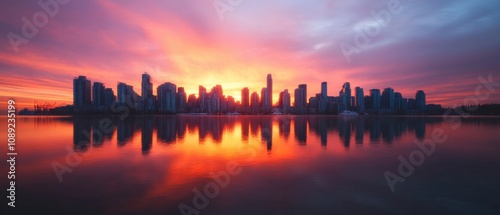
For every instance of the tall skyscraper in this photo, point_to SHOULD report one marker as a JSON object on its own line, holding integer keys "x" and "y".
{"x": 420, "y": 102}
{"x": 324, "y": 89}
{"x": 98, "y": 97}
{"x": 254, "y": 103}
{"x": 181, "y": 100}
{"x": 147, "y": 98}
{"x": 245, "y": 97}
{"x": 126, "y": 95}
{"x": 301, "y": 99}
{"x": 81, "y": 92}
{"x": 109, "y": 97}
{"x": 398, "y": 101}
{"x": 360, "y": 100}
{"x": 202, "y": 97}
{"x": 375, "y": 99}
{"x": 346, "y": 89}
{"x": 286, "y": 102}
{"x": 264, "y": 99}
{"x": 387, "y": 99}
{"x": 269, "y": 87}
{"x": 166, "y": 98}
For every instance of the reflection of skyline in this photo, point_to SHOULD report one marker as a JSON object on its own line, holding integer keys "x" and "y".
{"x": 170, "y": 129}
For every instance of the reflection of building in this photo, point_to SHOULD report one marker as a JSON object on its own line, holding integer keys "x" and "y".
{"x": 300, "y": 126}
{"x": 81, "y": 133}
{"x": 147, "y": 134}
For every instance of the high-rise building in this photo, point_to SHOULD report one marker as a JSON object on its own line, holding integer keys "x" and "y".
{"x": 264, "y": 99}
{"x": 360, "y": 100}
{"x": 346, "y": 90}
{"x": 98, "y": 97}
{"x": 202, "y": 97}
{"x": 181, "y": 100}
{"x": 387, "y": 100}
{"x": 323, "y": 98}
{"x": 126, "y": 95}
{"x": 420, "y": 102}
{"x": 245, "y": 97}
{"x": 375, "y": 99}
{"x": 109, "y": 97}
{"x": 286, "y": 102}
{"x": 301, "y": 99}
{"x": 147, "y": 99}
{"x": 269, "y": 87}
{"x": 81, "y": 93}
{"x": 254, "y": 103}
{"x": 166, "y": 98}
{"x": 398, "y": 101}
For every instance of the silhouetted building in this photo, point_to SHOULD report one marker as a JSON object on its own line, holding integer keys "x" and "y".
{"x": 166, "y": 98}
{"x": 254, "y": 102}
{"x": 126, "y": 95}
{"x": 245, "y": 100}
{"x": 387, "y": 100}
{"x": 109, "y": 97}
{"x": 81, "y": 93}
{"x": 375, "y": 99}
{"x": 420, "y": 102}
{"x": 181, "y": 100}
{"x": 286, "y": 102}
{"x": 264, "y": 93}
{"x": 98, "y": 95}
{"x": 360, "y": 100}
{"x": 147, "y": 98}
{"x": 345, "y": 97}
{"x": 323, "y": 99}
{"x": 202, "y": 97}
{"x": 269, "y": 100}
{"x": 301, "y": 99}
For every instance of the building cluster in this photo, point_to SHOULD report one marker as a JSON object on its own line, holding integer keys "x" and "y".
{"x": 170, "y": 99}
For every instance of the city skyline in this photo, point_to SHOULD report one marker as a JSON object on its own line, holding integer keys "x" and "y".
{"x": 188, "y": 44}
{"x": 172, "y": 99}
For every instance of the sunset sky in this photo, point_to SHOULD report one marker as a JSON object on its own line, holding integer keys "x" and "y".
{"x": 441, "y": 47}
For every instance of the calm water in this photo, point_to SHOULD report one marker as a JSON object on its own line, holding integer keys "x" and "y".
{"x": 262, "y": 164}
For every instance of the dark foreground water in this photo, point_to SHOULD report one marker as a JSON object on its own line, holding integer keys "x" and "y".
{"x": 255, "y": 165}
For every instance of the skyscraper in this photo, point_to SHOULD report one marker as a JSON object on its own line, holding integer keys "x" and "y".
{"x": 202, "y": 97}
{"x": 81, "y": 93}
{"x": 301, "y": 99}
{"x": 387, "y": 100}
{"x": 264, "y": 99}
{"x": 360, "y": 100}
{"x": 346, "y": 89}
{"x": 181, "y": 100}
{"x": 269, "y": 87}
{"x": 109, "y": 97}
{"x": 245, "y": 97}
{"x": 166, "y": 98}
{"x": 420, "y": 102}
{"x": 286, "y": 102}
{"x": 98, "y": 97}
{"x": 375, "y": 99}
{"x": 147, "y": 98}
{"x": 254, "y": 103}
{"x": 126, "y": 95}
{"x": 323, "y": 99}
